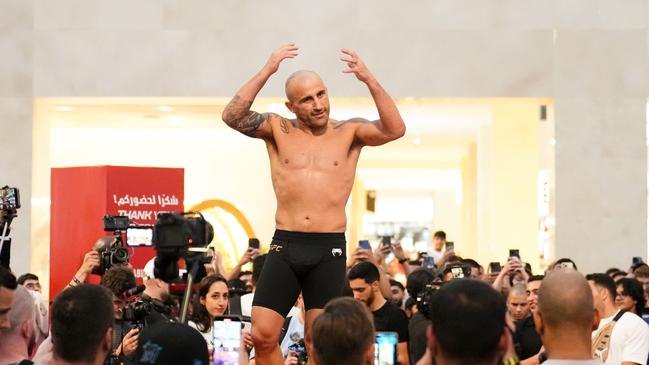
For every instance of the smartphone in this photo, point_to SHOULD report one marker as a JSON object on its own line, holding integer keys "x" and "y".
{"x": 450, "y": 245}
{"x": 386, "y": 240}
{"x": 253, "y": 243}
{"x": 139, "y": 236}
{"x": 385, "y": 348}
{"x": 365, "y": 244}
{"x": 429, "y": 262}
{"x": 9, "y": 198}
{"x": 494, "y": 267}
{"x": 513, "y": 252}
{"x": 457, "y": 272}
{"x": 226, "y": 336}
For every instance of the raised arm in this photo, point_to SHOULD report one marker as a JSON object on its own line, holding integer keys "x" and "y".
{"x": 237, "y": 113}
{"x": 390, "y": 126}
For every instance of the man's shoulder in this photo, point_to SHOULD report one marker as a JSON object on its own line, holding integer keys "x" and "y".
{"x": 632, "y": 322}
{"x": 392, "y": 311}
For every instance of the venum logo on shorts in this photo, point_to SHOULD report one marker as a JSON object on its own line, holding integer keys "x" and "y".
{"x": 275, "y": 247}
{"x": 336, "y": 252}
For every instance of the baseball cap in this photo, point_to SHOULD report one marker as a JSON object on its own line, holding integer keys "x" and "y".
{"x": 171, "y": 344}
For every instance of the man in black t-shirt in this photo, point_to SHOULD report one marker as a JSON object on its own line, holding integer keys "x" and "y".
{"x": 417, "y": 281}
{"x": 364, "y": 282}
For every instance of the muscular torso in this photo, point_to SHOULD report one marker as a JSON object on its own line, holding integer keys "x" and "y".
{"x": 312, "y": 176}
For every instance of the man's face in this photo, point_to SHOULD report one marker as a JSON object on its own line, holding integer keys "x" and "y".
{"x": 518, "y": 307}
{"x": 597, "y": 300}
{"x": 32, "y": 285}
{"x": 623, "y": 300}
{"x": 362, "y": 291}
{"x": 397, "y": 295}
{"x": 6, "y": 297}
{"x": 248, "y": 280}
{"x": 118, "y": 307}
{"x": 309, "y": 101}
{"x": 533, "y": 293}
{"x": 438, "y": 243}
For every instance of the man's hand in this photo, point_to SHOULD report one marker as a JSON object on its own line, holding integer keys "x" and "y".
{"x": 129, "y": 344}
{"x": 356, "y": 66}
{"x": 90, "y": 262}
{"x": 399, "y": 253}
{"x": 286, "y": 51}
{"x": 291, "y": 359}
{"x": 249, "y": 255}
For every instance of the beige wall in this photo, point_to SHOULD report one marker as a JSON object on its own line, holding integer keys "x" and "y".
{"x": 589, "y": 56}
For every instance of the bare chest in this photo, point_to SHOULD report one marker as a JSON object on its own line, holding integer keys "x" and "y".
{"x": 322, "y": 154}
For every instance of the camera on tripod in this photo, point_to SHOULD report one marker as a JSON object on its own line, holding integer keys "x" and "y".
{"x": 175, "y": 235}
{"x": 113, "y": 251}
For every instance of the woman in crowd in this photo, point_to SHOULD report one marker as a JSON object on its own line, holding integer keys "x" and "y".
{"x": 210, "y": 303}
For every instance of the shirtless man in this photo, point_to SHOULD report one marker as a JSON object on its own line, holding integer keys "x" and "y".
{"x": 313, "y": 164}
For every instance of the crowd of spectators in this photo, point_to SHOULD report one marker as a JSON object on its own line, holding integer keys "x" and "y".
{"x": 444, "y": 310}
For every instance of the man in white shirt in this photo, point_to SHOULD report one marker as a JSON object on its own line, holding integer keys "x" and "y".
{"x": 565, "y": 317}
{"x": 628, "y": 343}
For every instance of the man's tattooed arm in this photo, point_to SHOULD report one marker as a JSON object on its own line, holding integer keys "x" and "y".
{"x": 238, "y": 116}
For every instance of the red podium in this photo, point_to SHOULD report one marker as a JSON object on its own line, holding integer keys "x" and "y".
{"x": 82, "y": 196}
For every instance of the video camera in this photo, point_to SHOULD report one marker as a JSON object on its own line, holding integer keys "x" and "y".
{"x": 176, "y": 236}
{"x": 9, "y": 205}
{"x": 113, "y": 252}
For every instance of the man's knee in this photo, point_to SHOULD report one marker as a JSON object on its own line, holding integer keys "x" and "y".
{"x": 265, "y": 337}
{"x": 266, "y": 328}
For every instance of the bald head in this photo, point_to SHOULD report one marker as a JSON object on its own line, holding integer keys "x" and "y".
{"x": 22, "y": 309}
{"x": 298, "y": 78}
{"x": 565, "y": 299}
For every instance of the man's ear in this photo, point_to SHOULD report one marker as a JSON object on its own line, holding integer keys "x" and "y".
{"x": 107, "y": 343}
{"x": 505, "y": 340}
{"x": 27, "y": 329}
{"x": 538, "y": 321}
{"x": 432, "y": 341}
{"x": 369, "y": 355}
{"x": 289, "y": 106}
{"x": 596, "y": 319}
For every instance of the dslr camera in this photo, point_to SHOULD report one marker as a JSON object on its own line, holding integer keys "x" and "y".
{"x": 114, "y": 252}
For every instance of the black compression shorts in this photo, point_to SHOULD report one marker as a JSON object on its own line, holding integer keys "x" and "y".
{"x": 313, "y": 263}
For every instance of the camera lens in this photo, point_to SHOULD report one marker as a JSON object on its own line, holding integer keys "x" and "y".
{"x": 120, "y": 256}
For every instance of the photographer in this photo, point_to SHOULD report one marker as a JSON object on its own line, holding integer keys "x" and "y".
{"x": 155, "y": 300}
{"x": 418, "y": 324}
{"x": 210, "y": 303}
{"x": 92, "y": 261}
{"x": 119, "y": 280}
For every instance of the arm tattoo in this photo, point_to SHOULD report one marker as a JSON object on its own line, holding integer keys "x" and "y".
{"x": 237, "y": 115}
{"x": 284, "y": 126}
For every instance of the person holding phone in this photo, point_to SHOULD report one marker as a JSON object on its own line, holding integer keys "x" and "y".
{"x": 313, "y": 164}
{"x": 210, "y": 303}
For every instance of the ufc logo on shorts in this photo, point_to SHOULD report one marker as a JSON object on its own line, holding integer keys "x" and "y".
{"x": 337, "y": 252}
{"x": 276, "y": 248}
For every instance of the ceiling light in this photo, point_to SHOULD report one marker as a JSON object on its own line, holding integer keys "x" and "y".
{"x": 416, "y": 141}
{"x": 553, "y": 141}
{"x": 64, "y": 108}
{"x": 165, "y": 108}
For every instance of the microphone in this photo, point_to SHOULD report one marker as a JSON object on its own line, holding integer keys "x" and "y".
{"x": 133, "y": 291}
